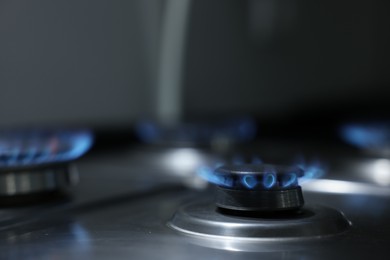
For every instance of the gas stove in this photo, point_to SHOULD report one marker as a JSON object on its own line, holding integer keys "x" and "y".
{"x": 150, "y": 201}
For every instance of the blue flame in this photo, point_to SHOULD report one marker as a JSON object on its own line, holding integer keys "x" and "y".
{"x": 13, "y": 155}
{"x": 289, "y": 180}
{"x": 373, "y": 135}
{"x": 43, "y": 156}
{"x": 28, "y": 148}
{"x": 269, "y": 180}
{"x": 80, "y": 143}
{"x": 208, "y": 174}
{"x": 30, "y": 153}
{"x": 249, "y": 181}
{"x": 147, "y": 131}
{"x": 312, "y": 170}
{"x": 242, "y": 129}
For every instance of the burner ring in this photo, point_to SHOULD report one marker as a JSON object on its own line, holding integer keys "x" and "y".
{"x": 200, "y": 218}
{"x": 264, "y": 187}
{"x": 38, "y": 179}
{"x": 259, "y": 200}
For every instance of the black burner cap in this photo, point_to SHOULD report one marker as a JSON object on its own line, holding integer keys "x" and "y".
{"x": 260, "y": 187}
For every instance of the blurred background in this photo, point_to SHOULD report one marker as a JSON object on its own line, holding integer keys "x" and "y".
{"x": 108, "y": 64}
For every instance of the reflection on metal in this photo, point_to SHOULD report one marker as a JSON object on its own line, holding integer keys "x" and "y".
{"x": 345, "y": 187}
{"x": 381, "y": 172}
{"x": 36, "y": 180}
{"x": 184, "y": 164}
{"x": 81, "y": 236}
{"x": 173, "y": 41}
{"x": 202, "y": 221}
{"x": 183, "y": 161}
{"x": 245, "y": 245}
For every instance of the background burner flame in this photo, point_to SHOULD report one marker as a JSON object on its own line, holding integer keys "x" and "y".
{"x": 367, "y": 135}
{"x": 236, "y": 130}
{"x": 29, "y": 148}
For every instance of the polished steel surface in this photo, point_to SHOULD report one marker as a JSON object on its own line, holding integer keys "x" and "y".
{"x": 203, "y": 219}
{"x": 118, "y": 211}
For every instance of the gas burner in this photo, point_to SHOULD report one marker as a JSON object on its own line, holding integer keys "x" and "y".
{"x": 217, "y": 133}
{"x": 257, "y": 203}
{"x": 34, "y": 162}
{"x": 41, "y": 147}
{"x": 260, "y": 187}
{"x": 21, "y": 181}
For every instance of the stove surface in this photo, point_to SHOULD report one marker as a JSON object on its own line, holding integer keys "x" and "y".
{"x": 125, "y": 200}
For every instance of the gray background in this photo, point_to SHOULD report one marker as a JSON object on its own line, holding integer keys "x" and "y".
{"x": 95, "y": 62}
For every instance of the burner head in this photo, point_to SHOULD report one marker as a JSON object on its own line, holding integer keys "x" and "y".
{"x": 37, "y": 161}
{"x": 260, "y": 187}
{"x": 30, "y": 148}
{"x": 259, "y": 206}
{"x": 35, "y": 183}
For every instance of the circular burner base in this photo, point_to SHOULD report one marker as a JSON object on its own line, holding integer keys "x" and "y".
{"x": 202, "y": 218}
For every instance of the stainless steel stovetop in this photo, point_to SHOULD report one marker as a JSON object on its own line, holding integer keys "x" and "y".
{"x": 125, "y": 200}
